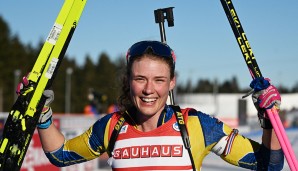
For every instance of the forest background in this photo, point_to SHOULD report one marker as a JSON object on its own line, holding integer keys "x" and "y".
{"x": 101, "y": 79}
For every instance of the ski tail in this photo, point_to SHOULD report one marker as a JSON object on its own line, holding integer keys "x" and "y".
{"x": 22, "y": 119}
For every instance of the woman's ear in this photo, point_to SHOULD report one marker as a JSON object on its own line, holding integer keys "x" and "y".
{"x": 173, "y": 83}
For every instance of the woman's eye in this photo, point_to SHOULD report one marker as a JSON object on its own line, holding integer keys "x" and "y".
{"x": 139, "y": 79}
{"x": 160, "y": 80}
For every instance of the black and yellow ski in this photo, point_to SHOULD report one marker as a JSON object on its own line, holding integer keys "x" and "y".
{"x": 22, "y": 119}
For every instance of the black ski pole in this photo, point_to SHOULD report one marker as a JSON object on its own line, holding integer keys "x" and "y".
{"x": 160, "y": 16}
{"x": 255, "y": 72}
{"x": 241, "y": 39}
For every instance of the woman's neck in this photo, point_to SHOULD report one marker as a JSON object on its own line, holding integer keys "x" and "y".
{"x": 147, "y": 123}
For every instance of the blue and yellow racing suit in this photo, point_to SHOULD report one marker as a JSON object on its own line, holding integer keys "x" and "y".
{"x": 163, "y": 148}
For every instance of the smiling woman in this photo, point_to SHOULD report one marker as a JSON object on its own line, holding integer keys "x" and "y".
{"x": 160, "y": 66}
{"x": 150, "y": 84}
{"x": 148, "y": 134}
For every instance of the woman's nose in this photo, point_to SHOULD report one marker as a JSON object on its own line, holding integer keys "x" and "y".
{"x": 149, "y": 88}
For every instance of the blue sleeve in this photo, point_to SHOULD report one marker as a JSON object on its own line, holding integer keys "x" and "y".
{"x": 212, "y": 127}
{"x": 254, "y": 156}
{"x": 84, "y": 147}
{"x": 271, "y": 160}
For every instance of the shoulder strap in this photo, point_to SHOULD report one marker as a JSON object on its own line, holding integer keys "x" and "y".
{"x": 115, "y": 134}
{"x": 182, "y": 127}
{"x": 183, "y": 131}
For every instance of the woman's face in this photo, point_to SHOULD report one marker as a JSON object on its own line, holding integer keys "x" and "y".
{"x": 150, "y": 84}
